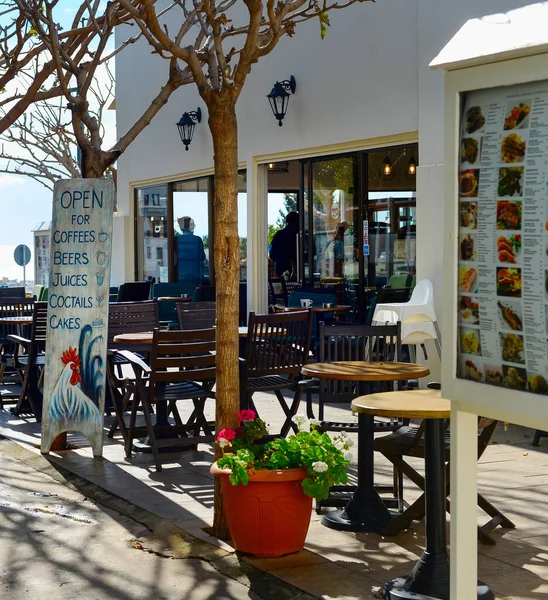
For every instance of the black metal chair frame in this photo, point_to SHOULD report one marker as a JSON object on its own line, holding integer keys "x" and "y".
{"x": 182, "y": 367}
{"x": 31, "y": 364}
{"x": 278, "y": 346}
{"x": 409, "y": 441}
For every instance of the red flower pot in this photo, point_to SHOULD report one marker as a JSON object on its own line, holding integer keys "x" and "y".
{"x": 270, "y": 515}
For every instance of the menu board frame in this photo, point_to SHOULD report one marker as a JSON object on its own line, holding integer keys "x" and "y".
{"x": 516, "y": 406}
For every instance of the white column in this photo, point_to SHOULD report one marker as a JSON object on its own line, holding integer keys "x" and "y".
{"x": 257, "y": 230}
{"x": 464, "y": 536}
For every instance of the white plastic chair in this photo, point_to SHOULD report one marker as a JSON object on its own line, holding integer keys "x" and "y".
{"x": 418, "y": 317}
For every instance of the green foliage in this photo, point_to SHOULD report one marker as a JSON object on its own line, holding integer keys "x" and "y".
{"x": 324, "y": 23}
{"x": 324, "y": 459}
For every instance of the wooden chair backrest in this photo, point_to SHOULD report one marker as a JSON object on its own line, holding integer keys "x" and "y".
{"x": 277, "y": 344}
{"x": 356, "y": 342}
{"x": 196, "y": 315}
{"x": 179, "y": 356}
{"x": 132, "y": 317}
{"x": 39, "y": 327}
{"x": 14, "y": 307}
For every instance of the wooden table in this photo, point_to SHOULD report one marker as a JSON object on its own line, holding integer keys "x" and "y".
{"x": 145, "y": 337}
{"x": 187, "y": 298}
{"x": 430, "y": 576}
{"x": 365, "y": 511}
{"x": 23, "y": 320}
{"x": 336, "y": 308}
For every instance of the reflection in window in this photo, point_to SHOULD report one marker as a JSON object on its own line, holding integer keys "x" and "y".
{"x": 392, "y": 220}
{"x": 191, "y": 231}
{"x": 152, "y": 232}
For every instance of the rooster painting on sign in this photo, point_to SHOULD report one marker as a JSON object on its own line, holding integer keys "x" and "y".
{"x": 75, "y": 397}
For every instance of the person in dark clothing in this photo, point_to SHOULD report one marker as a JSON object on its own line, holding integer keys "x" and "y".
{"x": 283, "y": 250}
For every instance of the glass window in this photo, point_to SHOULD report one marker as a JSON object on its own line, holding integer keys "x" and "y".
{"x": 242, "y": 223}
{"x": 392, "y": 217}
{"x": 152, "y": 232}
{"x": 191, "y": 231}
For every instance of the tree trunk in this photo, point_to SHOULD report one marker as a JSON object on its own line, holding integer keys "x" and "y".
{"x": 224, "y": 130}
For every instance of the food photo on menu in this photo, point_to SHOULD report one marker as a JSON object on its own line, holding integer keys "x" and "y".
{"x": 470, "y": 341}
{"x": 469, "y": 182}
{"x": 474, "y": 119}
{"x": 509, "y": 282}
{"x": 468, "y": 280}
{"x": 546, "y": 284}
{"x": 537, "y": 384}
{"x": 469, "y": 151}
{"x": 469, "y": 214}
{"x": 471, "y": 369}
{"x": 508, "y": 215}
{"x": 510, "y": 181}
{"x": 467, "y": 246}
{"x": 469, "y": 309}
{"x": 510, "y": 316}
{"x": 513, "y": 148}
{"x": 512, "y": 348}
{"x": 509, "y": 248}
{"x": 494, "y": 375}
{"x": 514, "y": 378}
{"x": 517, "y": 116}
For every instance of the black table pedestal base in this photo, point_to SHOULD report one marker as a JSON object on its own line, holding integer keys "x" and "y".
{"x": 398, "y": 589}
{"x": 365, "y": 511}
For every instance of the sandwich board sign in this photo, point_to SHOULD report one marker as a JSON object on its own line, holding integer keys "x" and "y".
{"x": 79, "y": 279}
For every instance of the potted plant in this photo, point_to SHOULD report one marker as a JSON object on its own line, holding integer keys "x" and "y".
{"x": 268, "y": 487}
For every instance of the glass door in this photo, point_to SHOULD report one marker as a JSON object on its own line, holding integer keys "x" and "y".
{"x": 331, "y": 216}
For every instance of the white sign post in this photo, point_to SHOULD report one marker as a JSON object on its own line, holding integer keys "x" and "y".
{"x": 79, "y": 279}
{"x": 495, "y": 320}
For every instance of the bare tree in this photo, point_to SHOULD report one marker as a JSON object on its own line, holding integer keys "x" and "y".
{"x": 41, "y": 144}
{"x": 217, "y": 57}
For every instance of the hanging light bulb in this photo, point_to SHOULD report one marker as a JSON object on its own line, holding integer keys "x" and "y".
{"x": 411, "y": 167}
{"x": 386, "y": 169}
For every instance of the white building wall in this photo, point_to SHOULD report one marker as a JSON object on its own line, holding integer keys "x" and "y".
{"x": 368, "y": 79}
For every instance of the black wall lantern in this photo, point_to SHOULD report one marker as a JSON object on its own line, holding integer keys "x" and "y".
{"x": 186, "y": 126}
{"x": 279, "y": 97}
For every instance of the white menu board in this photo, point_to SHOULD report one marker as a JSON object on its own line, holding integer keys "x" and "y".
{"x": 503, "y": 237}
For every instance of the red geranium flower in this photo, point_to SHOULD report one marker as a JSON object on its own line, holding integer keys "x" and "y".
{"x": 227, "y": 434}
{"x": 246, "y": 415}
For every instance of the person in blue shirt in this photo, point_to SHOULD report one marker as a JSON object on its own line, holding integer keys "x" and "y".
{"x": 190, "y": 253}
{"x": 283, "y": 249}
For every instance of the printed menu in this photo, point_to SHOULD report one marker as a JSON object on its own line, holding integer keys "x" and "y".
{"x": 503, "y": 237}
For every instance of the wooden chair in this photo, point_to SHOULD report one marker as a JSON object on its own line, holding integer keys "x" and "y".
{"x": 12, "y": 292}
{"x": 182, "y": 367}
{"x": 278, "y": 346}
{"x": 196, "y": 315}
{"x": 409, "y": 441}
{"x": 17, "y": 307}
{"x": 125, "y": 317}
{"x": 31, "y": 363}
{"x": 360, "y": 343}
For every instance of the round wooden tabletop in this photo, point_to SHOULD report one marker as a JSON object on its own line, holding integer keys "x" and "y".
{"x": 17, "y": 320}
{"x": 409, "y": 404}
{"x": 144, "y": 337}
{"x": 358, "y": 370}
{"x": 336, "y": 308}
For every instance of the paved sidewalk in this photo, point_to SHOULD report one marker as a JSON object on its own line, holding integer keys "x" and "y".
{"x": 512, "y": 475}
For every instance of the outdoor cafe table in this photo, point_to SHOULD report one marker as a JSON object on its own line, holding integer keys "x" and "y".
{"x": 316, "y": 309}
{"x": 365, "y": 511}
{"x": 145, "y": 337}
{"x": 430, "y": 576}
